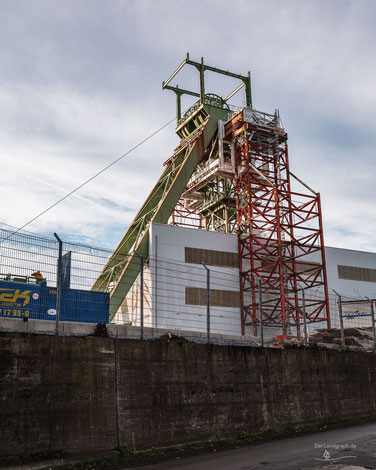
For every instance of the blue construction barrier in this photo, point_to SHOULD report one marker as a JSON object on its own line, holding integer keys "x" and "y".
{"x": 24, "y": 300}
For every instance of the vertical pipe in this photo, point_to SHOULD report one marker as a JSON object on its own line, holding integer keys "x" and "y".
{"x": 202, "y": 85}
{"x": 293, "y": 246}
{"x": 260, "y": 313}
{"x": 221, "y": 131}
{"x": 341, "y": 321}
{"x": 178, "y": 107}
{"x": 208, "y": 306}
{"x": 323, "y": 257}
{"x": 248, "y": 91}
{"x": 304, "y": 318}
{"x": 142, "y": 292}
{"x": 373, "y": 325}
{"x": 281, "y": 271}
{"x": 58, "y": 282}
{"x": 156, "y": 282}
{"x": 207, "y": 301}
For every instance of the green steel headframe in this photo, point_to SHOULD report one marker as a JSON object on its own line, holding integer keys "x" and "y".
{"x": 201, "y": 67}
{"x": 196, "y": 128}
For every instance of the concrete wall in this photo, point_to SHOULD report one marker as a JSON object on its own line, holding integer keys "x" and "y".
{"x": 57, "y": 396}
{"x": 64, "y": 396}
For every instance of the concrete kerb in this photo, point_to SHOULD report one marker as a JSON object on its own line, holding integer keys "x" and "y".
{"x": 114, "y": 330}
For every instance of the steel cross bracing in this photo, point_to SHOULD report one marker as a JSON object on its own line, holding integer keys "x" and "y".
{"x": 122, "y": 268}
{"x": 196, "y": 128}
{"x": 231, "y": 173}
{"x": 182, "y": 216}
{"x": 278, "y": 229}
{"x": 210, "y": 193}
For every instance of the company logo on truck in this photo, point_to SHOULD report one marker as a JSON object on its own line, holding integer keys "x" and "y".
{"x": 15, "y": 296}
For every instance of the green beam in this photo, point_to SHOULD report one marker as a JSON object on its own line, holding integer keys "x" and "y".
{"x": 123, "y": 266}
{"x": 181, "y": 91}
{"x": 201, "y": 67}
{"x": 164, "y": 84}
{"x": 162, "y": 214}
{"x": 215, "y": 69}
{"x": 136, "y": 228}
{"x": 235, "y": 91}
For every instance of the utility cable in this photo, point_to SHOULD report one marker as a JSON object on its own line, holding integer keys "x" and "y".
{"x": 89, "y": 180}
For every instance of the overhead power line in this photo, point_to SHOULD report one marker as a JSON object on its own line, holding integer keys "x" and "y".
{"x": 89, "y": 180}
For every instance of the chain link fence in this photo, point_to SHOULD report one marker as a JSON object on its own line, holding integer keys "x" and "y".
{"x": 47, "y": 279}
{"x": 51, "y": 279}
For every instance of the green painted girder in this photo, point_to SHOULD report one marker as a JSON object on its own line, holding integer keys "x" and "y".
{"x": 123, "y": 266}
{"x": 202, "y": 68}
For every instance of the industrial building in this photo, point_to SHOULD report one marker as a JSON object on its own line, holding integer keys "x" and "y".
{"x": 227, "y": 202}
{"x": 178, "y": 249}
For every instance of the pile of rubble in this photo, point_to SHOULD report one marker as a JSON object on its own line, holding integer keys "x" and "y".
{"x": 360, "y": 337}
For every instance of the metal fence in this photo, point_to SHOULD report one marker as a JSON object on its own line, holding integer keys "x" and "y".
{"x": 203, "y": 298}
{"x": 51, "y": 279}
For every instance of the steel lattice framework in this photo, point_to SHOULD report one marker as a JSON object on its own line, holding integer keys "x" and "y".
{"x": 183, "y": 216}
{"x": 230, "y": 173}
{"x": 278, "y": 229}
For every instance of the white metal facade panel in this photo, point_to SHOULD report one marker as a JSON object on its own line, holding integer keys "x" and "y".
{"x": 169, "y": 280}
{"x": 169, "y": 275}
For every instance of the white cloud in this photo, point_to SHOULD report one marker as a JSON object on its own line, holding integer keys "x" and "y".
{"x": 58, "y": 141}
{"x": 79, "y": 86}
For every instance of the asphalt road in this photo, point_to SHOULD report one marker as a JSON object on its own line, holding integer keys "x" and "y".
{"x": 352, "y": 448}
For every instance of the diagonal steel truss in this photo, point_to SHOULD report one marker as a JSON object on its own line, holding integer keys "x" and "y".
{"x": 235, "y": 180}
{"x": 122, "y": 268}
{"x": 278, "y": 228}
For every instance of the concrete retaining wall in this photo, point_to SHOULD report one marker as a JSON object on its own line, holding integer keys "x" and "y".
{"x": 65, "y": 396}
{"x": 114, "y": 330}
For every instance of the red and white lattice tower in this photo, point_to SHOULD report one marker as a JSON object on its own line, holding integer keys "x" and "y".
{"x": 280, "y": 234}
{"x": 230, "y": 173}
{"x": 279, "y": 230}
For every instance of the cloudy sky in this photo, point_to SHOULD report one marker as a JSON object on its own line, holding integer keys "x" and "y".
{"x": 80, "y": 84}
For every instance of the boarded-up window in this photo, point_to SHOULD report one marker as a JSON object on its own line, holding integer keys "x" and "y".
{"x": 301, "y": 267}
{"x": 353, "y": 273}
{"x": 224, "y": 259}
{"x": 307, "y": 267}
{"x": 218, "y": 298}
